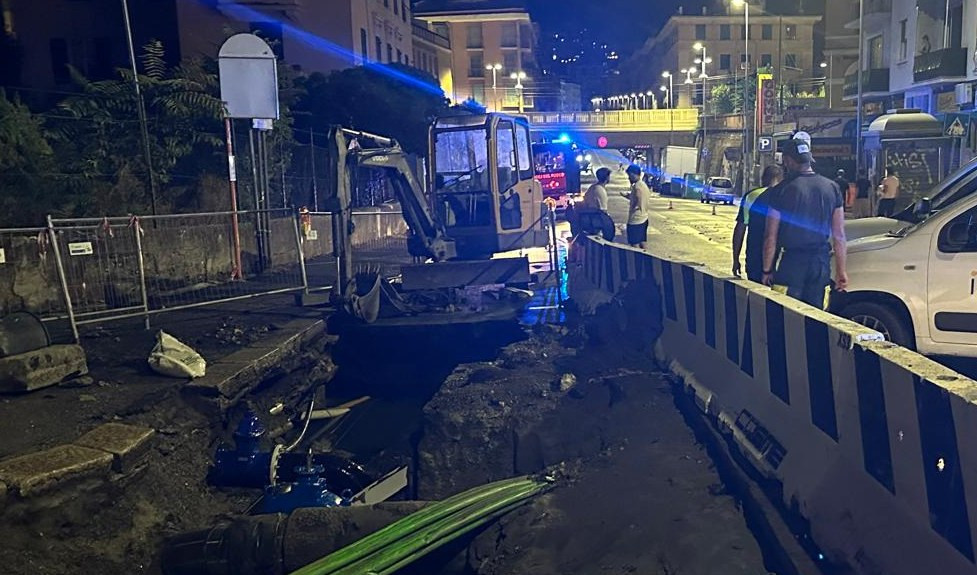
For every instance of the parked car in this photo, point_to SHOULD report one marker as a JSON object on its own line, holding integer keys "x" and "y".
{"x": 911, "y": 277}
{"x": 718, "y": 190}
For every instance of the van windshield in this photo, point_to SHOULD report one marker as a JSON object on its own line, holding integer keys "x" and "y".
{"x": 955, "y": 187}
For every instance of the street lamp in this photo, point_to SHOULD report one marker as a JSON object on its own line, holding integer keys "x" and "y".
{"x": 829, "y": 78}
{"x": 671, "y": 113}
{"x": 519, "y": 77}
{"x": 668, "y": 75}
{"x": 634, "y": 97}
{"x": 494, "y": 68}
{"x": 648, "y": 97}
{"x": 746, "y": 84}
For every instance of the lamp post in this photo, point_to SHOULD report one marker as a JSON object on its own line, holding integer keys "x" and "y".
{"x": 668, "y": 75}
{"x": 828, "y": 79}
{"x": 746, "y": 87}
{"x": 519, "y": 77}
{"x": 671, "y": 113}
{"x": 494, "y": 68}
{"x": 141, "y": 108}
{"x": 649, "y": 98}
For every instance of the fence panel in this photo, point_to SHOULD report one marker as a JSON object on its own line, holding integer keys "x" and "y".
{"x": 29, "y": 280}
{"x": 100, "y": 258}
{"x": 190, "y": 259}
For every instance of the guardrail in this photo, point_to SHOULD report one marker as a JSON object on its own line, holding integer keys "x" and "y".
{"x": 868, "y": 442}
{"x": 679, "y": 119}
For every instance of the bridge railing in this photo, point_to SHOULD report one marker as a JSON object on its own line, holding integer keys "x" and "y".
{"x": 680, "y": 119}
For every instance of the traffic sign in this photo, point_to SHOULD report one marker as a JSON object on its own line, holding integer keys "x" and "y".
{"x": 764, "y": 144}
{"x": 956, "y": 129}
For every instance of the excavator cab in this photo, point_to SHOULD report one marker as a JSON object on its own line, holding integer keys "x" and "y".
{"x": 482, "y": 187}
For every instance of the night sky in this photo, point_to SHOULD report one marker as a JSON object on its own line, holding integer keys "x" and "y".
{"x": 625, "y": 24}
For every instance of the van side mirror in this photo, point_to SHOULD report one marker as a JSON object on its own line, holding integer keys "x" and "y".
{"x": 923, "y": 207}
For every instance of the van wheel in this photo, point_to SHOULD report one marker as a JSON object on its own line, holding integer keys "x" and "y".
{"x": 884, "y": 319}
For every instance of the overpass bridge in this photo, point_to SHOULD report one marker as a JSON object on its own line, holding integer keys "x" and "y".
{"x": 619, "y": 128}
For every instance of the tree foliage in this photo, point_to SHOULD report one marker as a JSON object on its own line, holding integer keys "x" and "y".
{"x": 98, "y": 131}
{"x": 392, "y": 100}
{"x": 26, "y": 165}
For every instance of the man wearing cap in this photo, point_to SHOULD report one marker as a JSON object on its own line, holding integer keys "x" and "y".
{"x": 801, "y": 217}
{"x": 639, "y": 208}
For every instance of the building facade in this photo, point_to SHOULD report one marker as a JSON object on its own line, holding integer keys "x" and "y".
{"x": 311, "y": 36}
{"x": 785, "y": 44}
{"x": 432, "y": 53}
{"x": 840, "y": 50}
{"x": 491, "y": 41}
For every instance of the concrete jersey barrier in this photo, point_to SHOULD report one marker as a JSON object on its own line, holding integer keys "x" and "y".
{"x": 867, "y": 440}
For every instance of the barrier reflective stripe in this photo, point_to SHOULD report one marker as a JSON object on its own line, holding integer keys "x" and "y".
{"x": 873, "y": 443}
{"x": 820, "y": 389}
{"x": 941, "y": 465}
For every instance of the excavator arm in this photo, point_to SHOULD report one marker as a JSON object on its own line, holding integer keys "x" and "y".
{"x": 349, "y": 150}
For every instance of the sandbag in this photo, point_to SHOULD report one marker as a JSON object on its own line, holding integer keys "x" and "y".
{"x": 173, "y": 358}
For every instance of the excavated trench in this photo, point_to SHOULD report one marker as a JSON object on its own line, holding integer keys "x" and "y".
{"x": 467, "y": 405}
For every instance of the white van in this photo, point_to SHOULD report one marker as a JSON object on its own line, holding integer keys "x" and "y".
{"x": 912, "y": 277}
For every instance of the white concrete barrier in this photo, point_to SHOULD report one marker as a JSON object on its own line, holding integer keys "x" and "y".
{"x": 873, "y": 444}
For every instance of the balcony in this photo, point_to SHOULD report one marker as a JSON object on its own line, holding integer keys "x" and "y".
{"x": 425, "y": 35}
{"x": 874, "y": 81}
{"x": 946, "y": 63}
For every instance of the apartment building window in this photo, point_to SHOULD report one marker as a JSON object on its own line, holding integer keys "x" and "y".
{"x": 903, "y": 40}
{"x": 743, "y": 32}
{"x": 474, "y": 38}
{"x": 700, "y": 31}
{"x": 743, "y": 59}
{"x": 725, "y": 32}
{"x": 403, "y": 10}
{"x": 364, "y": 44}
{"x": 386, "y": 3}
{"x": 766, "y": 60}
{"x": 478, "y": 92}
{"x": 525, "y": 36}
{"x": 379, "y": 50}
{"x": 724, "y": 61}
{"x": 396, "y": 8}
{"x": 509, "y": 39}
{"x": 59, "y": 60}
{"x": 790, "y": 32}
{"x": 790, "y": 60}
{"x": 510, "y": 61}
{"x": 400, "y": 55}
{"x": 476, "y": 65}
{"x": 766, "y": 32}
{"x": 390, "y": 53}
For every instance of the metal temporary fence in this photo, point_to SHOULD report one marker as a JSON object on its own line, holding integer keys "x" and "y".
{"x": 115, "y": 268}
{"x": 29, "y": 278}
{"x": 80, "y": 271}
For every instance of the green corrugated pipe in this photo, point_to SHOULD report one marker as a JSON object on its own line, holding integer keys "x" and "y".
{"x": 414, "y": 546}
{"x": 434, "y": 515}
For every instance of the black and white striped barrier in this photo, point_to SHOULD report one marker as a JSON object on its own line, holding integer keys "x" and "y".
{"x": 873, "y": 444}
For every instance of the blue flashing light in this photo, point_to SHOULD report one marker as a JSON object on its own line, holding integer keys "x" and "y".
{"x": 564, "y": 138}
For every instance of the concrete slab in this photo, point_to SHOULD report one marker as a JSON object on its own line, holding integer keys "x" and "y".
{"x": 127, "y": 443}
{"x": 232, "y": 375}
{"x": 37, "y": 472}
{"x": 41, "y": 368}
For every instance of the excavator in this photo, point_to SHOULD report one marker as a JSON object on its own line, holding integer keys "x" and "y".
{"x": 480, "y": 203}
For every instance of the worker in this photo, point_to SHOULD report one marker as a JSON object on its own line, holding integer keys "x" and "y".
{"x": 888, "y": 192}
{"x": 803, "y": 214}
{"x": 596, "y": 195}
{"x": 639, "y": 208}
{"x": 750, "y": 223}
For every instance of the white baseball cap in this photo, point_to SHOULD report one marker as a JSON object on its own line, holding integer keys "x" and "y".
{"x": 802, "y": 136}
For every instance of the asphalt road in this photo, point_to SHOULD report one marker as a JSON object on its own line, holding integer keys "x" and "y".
{"x": 689, "y": 231}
